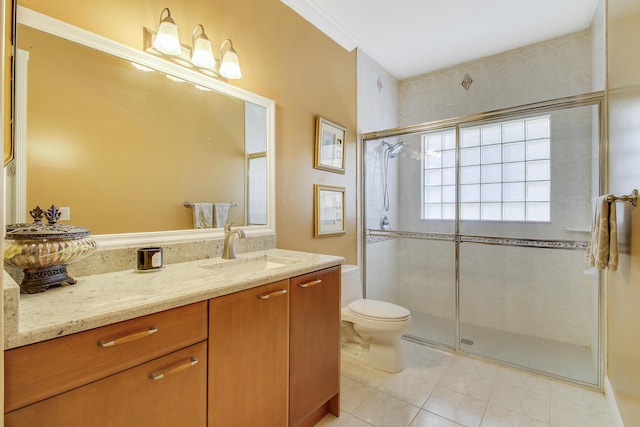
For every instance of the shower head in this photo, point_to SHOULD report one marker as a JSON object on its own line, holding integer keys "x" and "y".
{"x": 393, "y": 150}
{"x": 390, "y": 151}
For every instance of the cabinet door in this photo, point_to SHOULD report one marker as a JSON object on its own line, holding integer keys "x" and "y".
{"x": 130, "y": 398}
{"x": 314, "y": 346}
{"x": 248, "y": 357}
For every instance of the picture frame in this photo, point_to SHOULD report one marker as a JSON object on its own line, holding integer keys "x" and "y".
{"x": 329, "y": 152}
{"x": 329, "y": 204}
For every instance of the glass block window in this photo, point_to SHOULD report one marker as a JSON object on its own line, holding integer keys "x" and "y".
{"x": 505, "y": 172}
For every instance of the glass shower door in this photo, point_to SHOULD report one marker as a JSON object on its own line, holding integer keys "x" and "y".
{"x": 479, "y": 226}
{"x": 526, "y": 295}
{"x": 410, "y": 261}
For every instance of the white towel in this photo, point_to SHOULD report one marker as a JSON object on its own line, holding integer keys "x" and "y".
{"x": 202, "y": 215}
{"x": 221, "y": 214}
{"x": 602, "y": 248}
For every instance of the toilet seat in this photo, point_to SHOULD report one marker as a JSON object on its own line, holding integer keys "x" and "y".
{"x": 380, "y": 311}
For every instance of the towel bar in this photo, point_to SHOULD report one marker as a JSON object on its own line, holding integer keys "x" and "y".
{"x": 631, "y": 198}
{"x": 190, "y": 205}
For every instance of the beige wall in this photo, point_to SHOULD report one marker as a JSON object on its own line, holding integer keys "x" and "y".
{"x": 283, "y": 58}
{"x": 623, "y": 349}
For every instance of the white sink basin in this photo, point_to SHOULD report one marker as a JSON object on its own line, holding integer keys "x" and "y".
{"x": 249, "y": 265}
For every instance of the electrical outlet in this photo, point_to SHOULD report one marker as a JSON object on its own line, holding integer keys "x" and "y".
{"x": 65, "y": 213}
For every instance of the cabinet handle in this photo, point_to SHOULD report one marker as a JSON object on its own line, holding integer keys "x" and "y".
{"x": 127, "y": 338}
{"x": 310, "y": 284}
{"x": 273, "y": 294}
{"x": 174, "y": 369}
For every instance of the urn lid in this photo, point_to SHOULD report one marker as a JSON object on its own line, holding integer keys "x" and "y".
{"x": 38, "y": 230}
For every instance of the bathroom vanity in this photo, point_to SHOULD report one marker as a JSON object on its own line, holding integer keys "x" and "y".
{"x": 252, "y": 341}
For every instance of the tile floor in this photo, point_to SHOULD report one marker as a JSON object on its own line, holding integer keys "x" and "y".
{"x": 438, "y": 389}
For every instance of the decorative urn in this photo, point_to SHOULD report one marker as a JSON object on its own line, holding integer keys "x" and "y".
{"x": 43, "y": 251}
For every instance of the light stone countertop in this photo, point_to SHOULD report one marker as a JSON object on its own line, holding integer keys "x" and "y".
{"x": 102, "y": 299}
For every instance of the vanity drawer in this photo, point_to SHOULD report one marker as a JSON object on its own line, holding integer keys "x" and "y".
{"x": 44, "y": 369}
{"x": 166, "y": 392}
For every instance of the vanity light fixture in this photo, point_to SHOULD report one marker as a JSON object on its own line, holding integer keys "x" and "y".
{"x": 202, "y": 55}
{"x": 199, "y": 56}
{"x": 230, "y": 66}
{"x": 167, "y": 40}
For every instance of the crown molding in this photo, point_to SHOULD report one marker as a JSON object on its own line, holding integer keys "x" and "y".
{"x": 310, "y": 11}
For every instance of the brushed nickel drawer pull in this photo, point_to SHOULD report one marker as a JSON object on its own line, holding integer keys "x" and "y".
{"x": 310, "y": 284}
{"x": 174, "y": 369}
{"x": 273, "y": 294}
{"x": 128, "y": 338}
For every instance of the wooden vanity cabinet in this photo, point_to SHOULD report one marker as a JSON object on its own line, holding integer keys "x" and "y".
{"x": 314, "y": 355}
{"x": 96, "y": 377}
{"x": 267, "y": 356}
{"x": 248, "y": 357}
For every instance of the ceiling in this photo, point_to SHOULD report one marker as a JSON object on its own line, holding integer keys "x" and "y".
{"x": 413, "y": 37}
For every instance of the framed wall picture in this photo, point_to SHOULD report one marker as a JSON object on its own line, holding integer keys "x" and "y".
{"x": 329, "y": 210}
{"x": 329, "y": 154}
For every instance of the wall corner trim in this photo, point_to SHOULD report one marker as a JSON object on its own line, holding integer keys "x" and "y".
{"x": 612, "y": 404}
{"x": 310, "y": 11}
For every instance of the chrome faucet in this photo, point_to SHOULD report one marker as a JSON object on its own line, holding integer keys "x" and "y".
{"x": 228, "y": 250}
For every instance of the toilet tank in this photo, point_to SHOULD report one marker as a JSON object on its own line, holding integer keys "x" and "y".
{"x": 351, "y": 284}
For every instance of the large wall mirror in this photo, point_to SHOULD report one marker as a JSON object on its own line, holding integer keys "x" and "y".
{"x": 124, "y": 139}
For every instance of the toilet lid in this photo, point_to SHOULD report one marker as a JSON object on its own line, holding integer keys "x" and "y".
{"x": 381, "y": 310}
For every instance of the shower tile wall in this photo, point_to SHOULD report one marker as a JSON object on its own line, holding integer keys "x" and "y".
{"x": 377, "y": 109}
{"x": 377, "y": 96}
{"x": 551, "y": 69}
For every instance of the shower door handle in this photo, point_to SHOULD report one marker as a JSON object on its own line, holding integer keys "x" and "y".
{"x": 310, "y": 284}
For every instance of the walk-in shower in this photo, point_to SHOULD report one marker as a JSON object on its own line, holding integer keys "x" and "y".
{"x": 490, "y": 218}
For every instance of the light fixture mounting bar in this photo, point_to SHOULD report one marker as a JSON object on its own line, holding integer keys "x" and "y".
{"x": 184, "y": 59}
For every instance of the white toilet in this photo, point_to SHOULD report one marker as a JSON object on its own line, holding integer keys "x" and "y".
{"x": 376, "y": 324}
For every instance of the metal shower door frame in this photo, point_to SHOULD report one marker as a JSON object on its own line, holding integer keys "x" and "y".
{"x": 583, "y": 100}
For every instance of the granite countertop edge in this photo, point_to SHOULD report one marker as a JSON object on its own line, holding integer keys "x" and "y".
{"x": 104, "y": 299}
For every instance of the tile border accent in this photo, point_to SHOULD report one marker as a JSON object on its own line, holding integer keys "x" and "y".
{"x": 530, "y": 243}
{"x": 375, "y": 236}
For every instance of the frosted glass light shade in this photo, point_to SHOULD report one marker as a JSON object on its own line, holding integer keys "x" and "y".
{"x": 230, "y": 66}
{"x": 167, "y": 40}
{"x": 202, "y": 54}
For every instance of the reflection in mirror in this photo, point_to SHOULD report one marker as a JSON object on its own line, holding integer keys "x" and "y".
{"x": 124, "y": 145}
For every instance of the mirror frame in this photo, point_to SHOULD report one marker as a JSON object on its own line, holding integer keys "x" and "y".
{"x": 86, "y": 38}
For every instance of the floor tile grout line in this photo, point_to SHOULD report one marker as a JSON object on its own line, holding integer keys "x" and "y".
{"x": 442, "y": 416}
{"x": 439, "y": 383}
{"x": 486, "y": 406}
